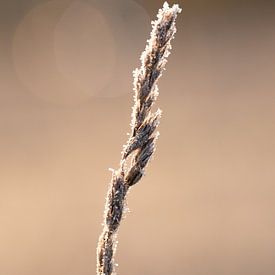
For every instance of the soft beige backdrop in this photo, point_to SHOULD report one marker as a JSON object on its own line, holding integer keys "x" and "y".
{"x": 207, "y": 203}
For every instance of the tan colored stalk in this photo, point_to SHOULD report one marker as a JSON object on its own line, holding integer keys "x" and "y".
{"x": 141, "y": 143}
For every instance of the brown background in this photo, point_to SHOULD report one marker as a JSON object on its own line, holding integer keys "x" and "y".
{"x": 207, "y": 203}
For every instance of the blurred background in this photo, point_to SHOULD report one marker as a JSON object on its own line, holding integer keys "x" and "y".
{"x": 207, "y": 203}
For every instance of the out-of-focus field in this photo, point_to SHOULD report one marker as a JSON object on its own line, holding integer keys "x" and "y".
{"x": 207, "y": 203}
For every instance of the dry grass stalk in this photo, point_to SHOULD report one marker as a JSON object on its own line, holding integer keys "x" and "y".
{"x": 141, "y": 143}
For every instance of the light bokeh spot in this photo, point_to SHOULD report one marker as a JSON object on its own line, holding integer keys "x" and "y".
{"x": 64, "y": 52}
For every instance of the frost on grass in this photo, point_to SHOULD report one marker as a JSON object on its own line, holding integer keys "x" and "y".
{"x": 141, "y": 144}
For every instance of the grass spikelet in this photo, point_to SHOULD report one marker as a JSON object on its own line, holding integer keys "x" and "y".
{"x": 142, "y": 139}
